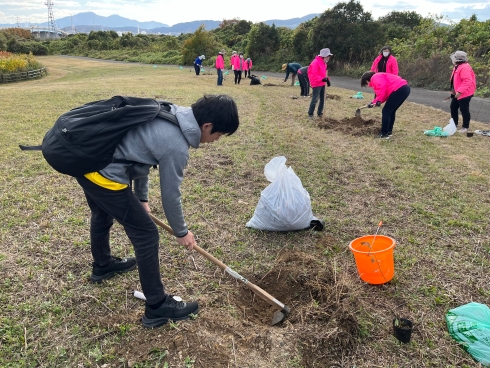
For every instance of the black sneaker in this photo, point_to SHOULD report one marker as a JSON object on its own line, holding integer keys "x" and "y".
{"x": 383, "y": 136}
{"x": 172, "y": 309}
{"x": 118, "y": 265}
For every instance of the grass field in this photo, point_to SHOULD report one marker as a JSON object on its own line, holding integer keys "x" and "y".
{"x": 431, "y": 194}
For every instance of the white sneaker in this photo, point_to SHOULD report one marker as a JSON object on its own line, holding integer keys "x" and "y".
{"x": 482, "y": 132}
{"x": 463, "y": 130}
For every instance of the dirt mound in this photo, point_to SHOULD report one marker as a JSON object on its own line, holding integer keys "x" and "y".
{"x": 322, "y": 304}
{"x": 333, "y": 97}
{"x": 355, "y": 126}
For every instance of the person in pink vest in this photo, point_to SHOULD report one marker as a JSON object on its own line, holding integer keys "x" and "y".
{"x": 463, "y": 86}
{"x": 388, "y": 88}
{"x": 385, "y": 62}
{"x": 233, "y": 56}
{"x": 238, "y": 67}
{"x": 247, "y": 67}
{"x": 220, "y": 65}
{"x": 318, "y": 76}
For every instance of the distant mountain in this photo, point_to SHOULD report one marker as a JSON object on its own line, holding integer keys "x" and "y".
{"x": 89, "y": 21}
{"x": 187, "y": 27}
{"x": 99, "y": 22}
{"x": 291, "y": 23}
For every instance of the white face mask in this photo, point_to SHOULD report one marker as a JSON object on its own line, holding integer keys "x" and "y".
{"x": 386, "y": 53}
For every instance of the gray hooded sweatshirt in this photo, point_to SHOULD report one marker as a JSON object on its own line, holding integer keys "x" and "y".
{"x": 163, "y": 143}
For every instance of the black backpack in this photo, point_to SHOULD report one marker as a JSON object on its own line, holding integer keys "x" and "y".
{"x": 84, "y": 139}
{"x": 254, "y": 80}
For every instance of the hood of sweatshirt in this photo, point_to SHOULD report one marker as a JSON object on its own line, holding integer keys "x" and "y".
{"x": 188, "y": 125}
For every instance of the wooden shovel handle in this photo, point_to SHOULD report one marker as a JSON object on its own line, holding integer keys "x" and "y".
{"x": 264, "y": 295}
{"x": 196, "y": 247}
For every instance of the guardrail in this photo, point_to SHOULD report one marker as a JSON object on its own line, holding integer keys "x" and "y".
{"x": 16, "y": 77}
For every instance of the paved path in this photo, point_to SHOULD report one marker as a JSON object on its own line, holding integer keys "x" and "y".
{"x": 479, "y": 107}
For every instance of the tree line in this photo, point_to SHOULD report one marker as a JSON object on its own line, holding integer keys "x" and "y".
{"x": 422, "y": 45}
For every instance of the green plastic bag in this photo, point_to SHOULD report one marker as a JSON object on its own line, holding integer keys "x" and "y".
{"x": 436, "y": 132}
{"x": 358, "y": 95}
{"x": 470, "y": 326}
{"x": 296, "y": 83}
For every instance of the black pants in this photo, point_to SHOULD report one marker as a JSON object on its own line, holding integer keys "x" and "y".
{"x": 122, "y": 205}
{"x": 462, "y": 104}
{"x": 238, "y": 76}
{"x": 318, "y": 93}
{"x": 392, "y": 104}
{"x": 247, "y": 71}
{"x": 304, "y": 84}
{"x": 197, "y": 68}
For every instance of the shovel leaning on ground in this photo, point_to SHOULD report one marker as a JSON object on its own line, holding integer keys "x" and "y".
{"x": 279, "y": 315}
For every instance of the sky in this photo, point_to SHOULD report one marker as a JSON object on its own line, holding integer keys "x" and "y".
{"x": 171, "y": 12}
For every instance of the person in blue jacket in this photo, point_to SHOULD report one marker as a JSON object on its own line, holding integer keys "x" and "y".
{"x": 293, "y": 69}
{"x": 198, "y": 63}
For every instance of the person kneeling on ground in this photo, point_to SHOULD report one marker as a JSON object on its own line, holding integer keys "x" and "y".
{"x": 388, "y": 88}
{"x": 110, "y": 196}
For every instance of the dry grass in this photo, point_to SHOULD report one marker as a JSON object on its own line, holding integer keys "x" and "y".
{"x": 431, "y": 194}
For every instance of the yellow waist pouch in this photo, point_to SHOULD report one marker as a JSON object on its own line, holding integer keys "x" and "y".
{"x": 98, "y": 179}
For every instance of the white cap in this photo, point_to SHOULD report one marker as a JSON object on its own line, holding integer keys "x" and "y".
{"x": 325, "y": 53}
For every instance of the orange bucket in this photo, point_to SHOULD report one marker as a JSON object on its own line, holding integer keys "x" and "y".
{"x": 375, "y": 262}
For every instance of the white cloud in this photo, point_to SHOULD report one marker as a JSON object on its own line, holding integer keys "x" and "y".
{"x": 177, "y": 11}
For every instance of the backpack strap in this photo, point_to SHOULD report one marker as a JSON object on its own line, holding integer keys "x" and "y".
{"x": 165, "y": 113}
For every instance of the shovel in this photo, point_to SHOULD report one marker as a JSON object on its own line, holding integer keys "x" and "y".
{"x": 358, "y": 111}
{"x": 279, "y": 315}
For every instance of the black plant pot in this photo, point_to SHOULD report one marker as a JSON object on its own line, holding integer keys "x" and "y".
{"x": 402, "y": 331}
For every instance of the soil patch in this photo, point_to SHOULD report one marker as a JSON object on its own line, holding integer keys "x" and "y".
{"x": 275, "y": 85}
{"x": 355, "y": 126}
{"x": 322, "y": 300}
{"x": 235, "y": 323}
{"x": 333, "y": 97}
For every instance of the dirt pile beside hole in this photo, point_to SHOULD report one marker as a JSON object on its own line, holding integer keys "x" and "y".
{"x": 323, "y": 303}
{"x": 234, "y": 323}
{"x": 333, "y": 97}
{"x": 355, "y": 126}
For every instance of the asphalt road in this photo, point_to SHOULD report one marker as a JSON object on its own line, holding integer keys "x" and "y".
{"x": 479, "y": 107}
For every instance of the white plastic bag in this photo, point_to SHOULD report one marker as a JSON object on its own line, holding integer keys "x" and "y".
{"x": 450, "y": 128}
{"x": 284, "y": 205}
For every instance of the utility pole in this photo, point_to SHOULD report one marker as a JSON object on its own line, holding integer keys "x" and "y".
{"x": 51, "y": 24}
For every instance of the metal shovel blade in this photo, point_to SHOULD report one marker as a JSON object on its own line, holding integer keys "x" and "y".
{"x": 279, "y": 315}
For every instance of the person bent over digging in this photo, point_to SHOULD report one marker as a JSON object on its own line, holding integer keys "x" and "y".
{"x": 388, "y": 88}
{"x": 110, "y": 196}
